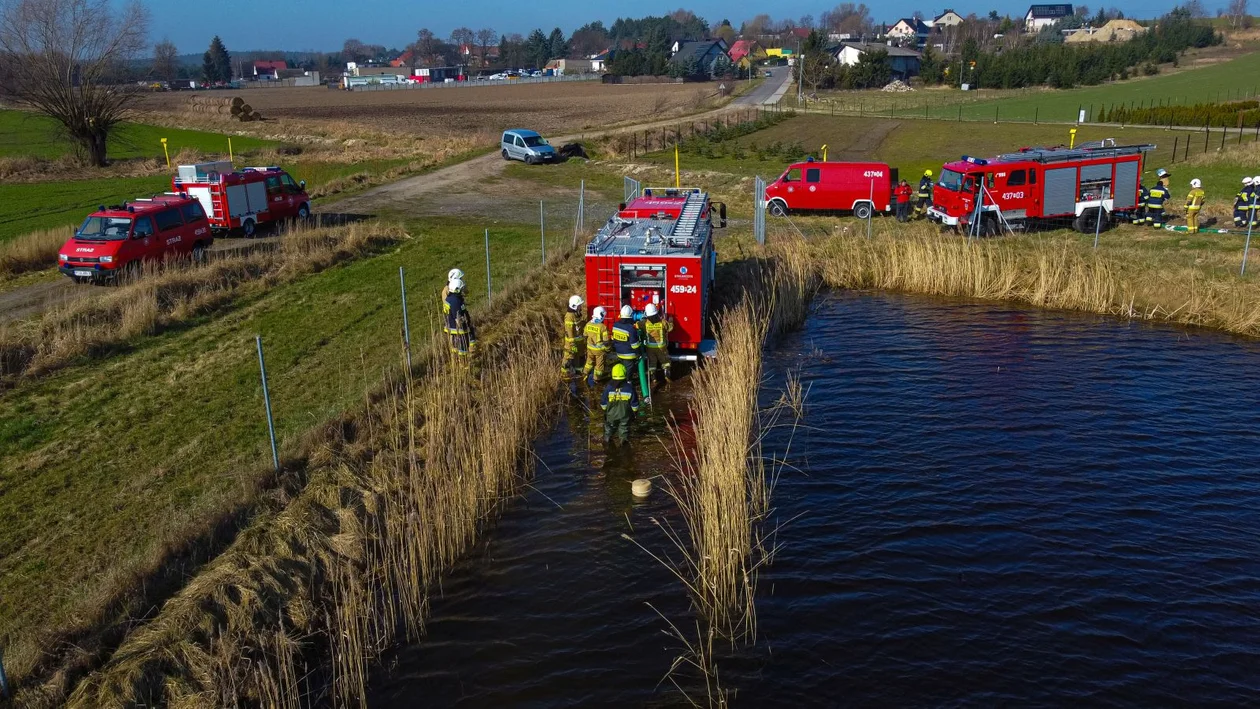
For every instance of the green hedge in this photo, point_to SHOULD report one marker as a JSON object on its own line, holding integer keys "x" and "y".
{"x": 1221, "y": 115}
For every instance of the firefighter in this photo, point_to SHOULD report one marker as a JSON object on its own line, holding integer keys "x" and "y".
{"x": 1155, "y": 198}
{"x": 656, "y": 328}
{"x": 459, "y": 325}
{"x": 573, "y": 322}
{"x": 620, "y": 402}
{"x": 924, "y": 195}
{"x": 452, "y": 275}
{"x": 1194, "y": 202}
{"x": 902, "y": 193}
{"x": 596, "y": 334}
{"x": 1253, "y": 201}
{"x": 1139, "y": 212}
{"x": 1242, "y": 203}
{"x": 626, "y": 342}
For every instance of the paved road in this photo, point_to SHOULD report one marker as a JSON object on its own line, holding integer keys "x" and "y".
{"x": 770, "y": 91}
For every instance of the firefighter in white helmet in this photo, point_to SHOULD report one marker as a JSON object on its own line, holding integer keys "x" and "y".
{"x": 626, "y": 341}
{"x": 452, "y": 275}
{"x": 656, "y": 327}
{"x": 459, "y": 325}
{"x": 574, "y": 321}
{"x": 1242, "y": 203}
{"x": 1194, "y": 203}
{"x": 596, "y": 334}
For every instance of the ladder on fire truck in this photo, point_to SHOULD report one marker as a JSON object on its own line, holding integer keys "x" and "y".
{"x": 1100, "y": 149}
{"x": 689, "y": 217}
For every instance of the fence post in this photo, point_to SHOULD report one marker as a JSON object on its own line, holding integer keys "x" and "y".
{"x": 542, "y": 230}
{"x": 960, "y": 113}
{"x": 1036, "y": 114}
{"x": 489, "y": 291}
{"x": 1186, "y": 155}
{"x": 1251, "y": 220}
{"x": 1207, "y": 133}
{"x": 402, "y": 285}
{"x": 1176, "y": 139}
{"x": 271, "y": 426}
{"x": 1223, "y": 132}
{"x": 995, "y": 112}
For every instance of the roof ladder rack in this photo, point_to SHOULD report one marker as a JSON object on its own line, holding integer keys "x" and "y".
{"x": 689, "y": 218}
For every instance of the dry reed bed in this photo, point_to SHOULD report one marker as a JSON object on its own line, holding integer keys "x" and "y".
{"x": 32, "y": 252}
{"x": 309, "y": 596}
{"x": 176, "y": 292}
{"x": 1050, "y": 274}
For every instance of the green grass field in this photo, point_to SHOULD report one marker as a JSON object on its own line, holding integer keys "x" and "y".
{"x": 23, "y": 133}
{"x": 104, "y": 461}
{"x": 1228, "y": 79}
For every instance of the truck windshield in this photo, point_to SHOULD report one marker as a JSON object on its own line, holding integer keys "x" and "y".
{"x": 104, "y": 228}
{"x": 950, "y": 180}
{"x": 533, "y": 141}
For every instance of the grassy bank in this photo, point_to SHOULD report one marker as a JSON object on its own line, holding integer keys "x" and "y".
{"x": 176, "y": 422}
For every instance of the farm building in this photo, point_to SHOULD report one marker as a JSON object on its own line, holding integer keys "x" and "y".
{"x": 904, "y": 63}
{"x": 910, "y": 28}
{"x": 570, "y": 67}
{"x": 1039, "y": 16}
{"x": 269, "y": 71}
{"x": 1113, "y": 31}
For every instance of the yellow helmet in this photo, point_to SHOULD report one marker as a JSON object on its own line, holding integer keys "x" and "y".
{"x": 927, "y": 173}
{"x": 619, "y": 372}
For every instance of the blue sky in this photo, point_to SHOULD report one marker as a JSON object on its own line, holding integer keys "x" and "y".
{"x": 325, "y": 24}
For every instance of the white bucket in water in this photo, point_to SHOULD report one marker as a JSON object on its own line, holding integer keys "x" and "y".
{"x": 641, "y": 487}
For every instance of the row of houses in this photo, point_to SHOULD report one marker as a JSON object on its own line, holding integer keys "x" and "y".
{"x": 917, "y": 30}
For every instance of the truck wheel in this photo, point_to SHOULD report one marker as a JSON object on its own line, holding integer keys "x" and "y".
{"x": 130, "y": 274}
{"x": 199, "y": 252}
{"x": 862, "y": 210}
{"x": 1088, "y": 221}
{"x": 778, "y": 209}
{"x": 248, "y": 228}
{"x": 504, "y": 154}
{"x": 304, "y": 213}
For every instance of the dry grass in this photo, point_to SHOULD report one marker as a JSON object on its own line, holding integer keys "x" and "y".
{"x": 175, "y": 292}
{"x": 32, "y": 252}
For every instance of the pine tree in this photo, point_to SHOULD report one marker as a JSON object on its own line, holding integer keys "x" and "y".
{"x": 557, "y": 46}
{"x": 216, "y": 63}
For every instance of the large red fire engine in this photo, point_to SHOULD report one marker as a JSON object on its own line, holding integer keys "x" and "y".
{"x": 246, "y": 199}
{"x": 1040, "y": 184}
{"x": 658, "y": 249}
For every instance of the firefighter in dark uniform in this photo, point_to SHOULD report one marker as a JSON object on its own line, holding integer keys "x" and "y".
{"x": 1139, "y": 213}
{"x": 1155, "y": 198}
{"x": 923, "y": 199}
{"x": 459, "y": 325}
{"x": 656, "y": 328}
{"x": 1242, "y": 203}
{"x": 596, "y": 334}
{"x": 620, "y": 402}
{"x": 626, "y": 342}
{"x": 1253, "y": 202}
{"x": 574, "y": 320}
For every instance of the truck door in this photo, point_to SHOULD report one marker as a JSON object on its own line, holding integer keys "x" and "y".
{"x": 275, "y": 196}
{"x": 1015, "y": 195}
{"x": 140, "y": 243}
{"x": 196, "y": 226}
{"x": 815, "y": 194}
{"x": 170, "y": 237}
{"x": 793, "y": 187}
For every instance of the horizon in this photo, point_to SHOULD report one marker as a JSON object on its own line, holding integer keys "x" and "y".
{"x": 378, "y": 21}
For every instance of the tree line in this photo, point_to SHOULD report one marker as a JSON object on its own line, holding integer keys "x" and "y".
{"x": 1231, "y": 114}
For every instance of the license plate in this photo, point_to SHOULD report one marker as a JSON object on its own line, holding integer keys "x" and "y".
{"x": 85, "y": 274}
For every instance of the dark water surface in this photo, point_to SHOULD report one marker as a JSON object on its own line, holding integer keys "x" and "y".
{"x": 995, "y": 507}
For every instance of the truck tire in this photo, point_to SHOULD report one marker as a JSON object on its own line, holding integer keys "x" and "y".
{"x": 862, "y": 210}
{"x": 777, "y": 208}
{"x": 249, "y": 229}
{"x": 304, "y": 212}
{"x": 199, "y": 253}
{"x": 504, "y": 154}
{"x": 1087, "y": 221}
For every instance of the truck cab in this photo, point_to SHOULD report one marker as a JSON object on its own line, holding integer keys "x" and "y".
{"x": 113, "y": 241}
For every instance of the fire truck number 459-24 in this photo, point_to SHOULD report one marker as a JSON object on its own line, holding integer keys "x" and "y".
{"x": 682, "y": 289}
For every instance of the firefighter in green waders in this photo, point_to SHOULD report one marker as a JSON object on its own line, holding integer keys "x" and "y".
{"x": 923, "y": 199}
{"x": 626, "y": 342}
{"x": 596, "y": 334}
{"x": 574, "y": 320}
{"x": 459, "y": 325}
{"x": 620, "y": 401}
{"x": 656, "y": 328}
{"x": 1194, "y": 203}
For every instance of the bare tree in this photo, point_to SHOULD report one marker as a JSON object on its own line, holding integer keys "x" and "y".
{"x": 166, "y": 60}
{"x": 66, "y": 59}
{"x": 486, "y": 38}
{"x": 1196, "y": 8}
{"x": 354, "y": 51}
{"x": 461, "y": 36}
{"x": 426, "y": 47}
{"x": 848, "y": 18}
{"x": 1237, "y": 13}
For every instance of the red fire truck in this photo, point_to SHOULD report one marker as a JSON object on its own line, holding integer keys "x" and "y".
{"x": 810, "y": 186}
{"x": 658, "y": 248}
{"x": 243, "y": 200}
{"x": 1015, "y": 190}
{"x": 113, "y": 241}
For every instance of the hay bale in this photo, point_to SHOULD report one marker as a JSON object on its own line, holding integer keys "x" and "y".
{"x": 246, "y": 108}
{"x": 236, "y": 110}
{"x": 237, "y": 101}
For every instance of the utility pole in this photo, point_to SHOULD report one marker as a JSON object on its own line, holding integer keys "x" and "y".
{"x": 800, "y": 74}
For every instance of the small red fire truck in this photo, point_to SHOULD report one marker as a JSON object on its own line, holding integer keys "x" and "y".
{"x": 857, "y": 187}
{"x": 113, "y": 241}
{"x": 658, "y": 248}
{"x": 1015, "y": 190}
{"x": 246, "y": 199}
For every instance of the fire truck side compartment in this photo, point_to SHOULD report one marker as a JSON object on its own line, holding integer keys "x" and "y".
{"x": 1126, "y": 185}
{"x": 1060, "y": 192}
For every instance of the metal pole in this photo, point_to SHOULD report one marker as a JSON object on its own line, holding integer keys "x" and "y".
{"x": 542, "y": 230}
{"x": 1176, "y": 140}
{"x": 271, "y": 426}
{"x": 402, "y": 284}
{"x": 1251, "y": 220}
{"x": 1098, "y": 223}
{"x": 871, "y": 212}
{"x": 489, "y": 292}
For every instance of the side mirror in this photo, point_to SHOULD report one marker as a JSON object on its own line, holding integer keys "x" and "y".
{"x": 621, "y": 206}
{"x": 302, "y": 184}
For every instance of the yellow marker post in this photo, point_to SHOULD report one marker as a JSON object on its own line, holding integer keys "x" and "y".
{"x": 824, "y": 152}
{"x": 231, "y": 157}
{"x": 1072, "y": 142}
{"x": 166, "y": 152}
{"x": 677, "y": 176}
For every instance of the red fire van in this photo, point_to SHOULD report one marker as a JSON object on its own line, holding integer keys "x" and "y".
{"x": 857, "y": 187}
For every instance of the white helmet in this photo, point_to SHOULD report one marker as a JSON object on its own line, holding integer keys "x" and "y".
{"x": 454, "y": 273}
{"x": 598, "y": 314}
{"x": 455, "y": 285}
{"x": 575, "y": 301}
{"x": 627, "y": 311}
{"x": 650, "y": 310}
{"x": 1247, "y": 180}
{"x": 1195, "y": 183}
{"x": 1255, "y": 179}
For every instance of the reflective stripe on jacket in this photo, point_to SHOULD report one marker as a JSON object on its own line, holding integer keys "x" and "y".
{"x": 625, "y": 339}
{"x": 656, "y": 334}
{"x": 572, "y": 327}
{"x": 1194, "y": 200}
{"x": 596, "y": 336}
{"x": 1155, "y": 197}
